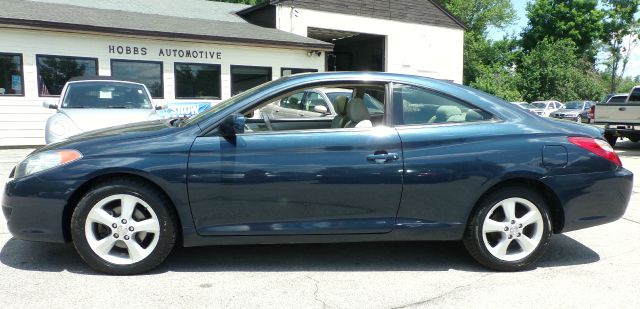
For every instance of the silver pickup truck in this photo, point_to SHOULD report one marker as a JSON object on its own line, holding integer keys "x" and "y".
{"x": 620, "y": 116}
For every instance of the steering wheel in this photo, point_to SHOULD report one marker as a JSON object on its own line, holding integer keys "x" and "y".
{"x": 267, "y": 121}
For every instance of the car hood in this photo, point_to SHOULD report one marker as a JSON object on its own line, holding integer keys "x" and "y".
{"x": 146, "y": 129}
{"x": 87, "y": 119}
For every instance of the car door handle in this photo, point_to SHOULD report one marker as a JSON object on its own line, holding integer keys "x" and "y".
{"x": 381, "y": 158}
{"x": 622, "y": 109}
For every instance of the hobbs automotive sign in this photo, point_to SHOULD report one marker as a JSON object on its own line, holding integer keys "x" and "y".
{"x": 165, "y": 52}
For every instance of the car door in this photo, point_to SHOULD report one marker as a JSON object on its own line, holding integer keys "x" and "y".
{"x": 448, "y": 155}
{"x": 326, "y": 181}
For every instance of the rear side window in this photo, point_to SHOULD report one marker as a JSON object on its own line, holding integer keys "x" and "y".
{"x": 634, "y": 96}
{"x": 420, "y": 106}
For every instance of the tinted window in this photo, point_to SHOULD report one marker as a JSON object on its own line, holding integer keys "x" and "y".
{"x": 617, "y": 99}
{"x": 291, "y": 71}
{"x": 55, "y": 71}
{"x": 539, "y": 105}
{"x": 574, "y": 105}
{"x": 146, "y": 72}
{"x": 244, "y": 78}
{"x": 11, "y": 75}
{"x": 197, "y": 80}
{"x": 634, "y": 96}
{"x": 105, "y": 95}
{"x": 420, "y": 106}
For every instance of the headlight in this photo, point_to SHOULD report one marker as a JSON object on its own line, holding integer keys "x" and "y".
{"x": 46, "y": 160}
{"x": 60, "y": 126}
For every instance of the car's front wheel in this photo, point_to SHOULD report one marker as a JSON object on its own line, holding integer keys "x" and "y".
{"x": 509, "y": 230}
{"x": 123, "y": 227}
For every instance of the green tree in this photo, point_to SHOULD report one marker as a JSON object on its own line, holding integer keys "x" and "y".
{"x": 577, "y": 20}
{"x": 478, "y": 16}
{"x": 619, "y": 37}
{"x": 552, "y": 70}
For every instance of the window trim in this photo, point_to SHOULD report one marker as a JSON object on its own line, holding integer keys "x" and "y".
{"x": 111, "y": 60}
{"x": 393, "y": 119}
{"x": 59, "y": 56}
{"x": 308, "y": 70}
{"x": 21, "y": 74}
{"x": 247, "y": 66}
{"x": 175, "y": 82}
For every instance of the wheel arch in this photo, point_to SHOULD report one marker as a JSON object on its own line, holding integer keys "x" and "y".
{"x": 77, "y": 195}
{"x": 555, "y": 206}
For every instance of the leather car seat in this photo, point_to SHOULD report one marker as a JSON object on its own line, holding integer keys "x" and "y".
{"x": 446, "y": 113}
{"x": 358, "y": 115}
{"x": 340, "y": 120}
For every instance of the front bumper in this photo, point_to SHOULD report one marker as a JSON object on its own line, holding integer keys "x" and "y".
{"x": 31, "y": 213}
{"x": 592, "y": 199}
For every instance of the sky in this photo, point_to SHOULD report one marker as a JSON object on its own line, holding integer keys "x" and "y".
{"x": 633, "y": 68}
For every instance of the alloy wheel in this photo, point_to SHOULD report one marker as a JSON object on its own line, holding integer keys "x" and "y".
{"x": 122, "y": 229}
{"x": 512, "y": 229}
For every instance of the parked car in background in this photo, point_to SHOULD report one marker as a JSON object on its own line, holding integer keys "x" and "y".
{"x": 545, "y": 108}
{"x": 620, "y": 119}
{"x": 527, "y": 106}
{"x": 92, "y": 103}
{"x": 577, "y": 111}
{"x": 442, "y": 162}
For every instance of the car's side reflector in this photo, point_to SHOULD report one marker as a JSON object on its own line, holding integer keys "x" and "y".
{"x": 598, "y": 147}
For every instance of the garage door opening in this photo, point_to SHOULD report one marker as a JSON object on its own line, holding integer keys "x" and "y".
{"x": 353, "y": 51}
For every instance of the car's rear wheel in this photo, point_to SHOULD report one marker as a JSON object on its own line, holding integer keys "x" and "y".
{"x": 510, "y": 229}
{"x": 123, "y": 227}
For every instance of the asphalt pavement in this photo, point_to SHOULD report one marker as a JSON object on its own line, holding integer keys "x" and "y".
{"x": 596, "y": 268}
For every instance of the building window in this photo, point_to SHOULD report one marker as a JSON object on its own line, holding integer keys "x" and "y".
{"x": 146, "y": 72}
{"x": 55, "y": 71}
{"x": 197, "y": 81}
{"x": 291, "y": 71}
{"x": 245, "y": 77}
{"x": 11, "y": 76}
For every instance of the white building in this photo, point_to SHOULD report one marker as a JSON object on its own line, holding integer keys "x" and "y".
{"x": 202, "y": 51}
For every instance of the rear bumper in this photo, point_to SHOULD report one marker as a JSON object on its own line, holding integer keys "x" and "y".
{"x": 592, "y": 199}
{"x": 30, "y": 214}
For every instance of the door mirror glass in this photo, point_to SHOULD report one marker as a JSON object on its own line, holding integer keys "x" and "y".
{"x": 320, "y": 109}
{"x": 50, "y": 104}
{"x": 232, "y": 125}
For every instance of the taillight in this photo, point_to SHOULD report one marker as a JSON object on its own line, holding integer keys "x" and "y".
{"x": 592, "y": 112}
{"x": 598, "y": 147}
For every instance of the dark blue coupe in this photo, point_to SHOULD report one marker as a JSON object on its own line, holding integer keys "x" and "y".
{"x": 437, "y": 161}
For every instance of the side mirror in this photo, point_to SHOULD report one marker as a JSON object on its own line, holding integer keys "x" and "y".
{"x": 320, "y": 109}
{"x": 232, "y": 125}
{"x": 50, "y": 104}
{"x": 160, "y": 106}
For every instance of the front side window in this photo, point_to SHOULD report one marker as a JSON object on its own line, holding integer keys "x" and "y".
{"x": 11, "y": 75}
{"x": 291, "y": 71}
{"x": 55, "y": 71}
{"x": 197, "y": 81}
{"x": 146, "y": 72}
{"x": 420, "y": 106}
{"x": 244, "y": 77}
{"x": 106, "y": 95}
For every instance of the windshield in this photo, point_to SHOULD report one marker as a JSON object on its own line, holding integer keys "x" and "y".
{"x": 618, "y": 99}
{"x": 101, "y": 94}
{"x": 574, "y": 105}
{"x": 539, "y": 104}
{"x": 226, "y": 103}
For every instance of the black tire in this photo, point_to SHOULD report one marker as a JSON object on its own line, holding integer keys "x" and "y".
{"x": 634, "y": 139}
{"x": 154, "y": 198}
{"x": 611, "y": 139}
{"x": 473, "y": 237}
